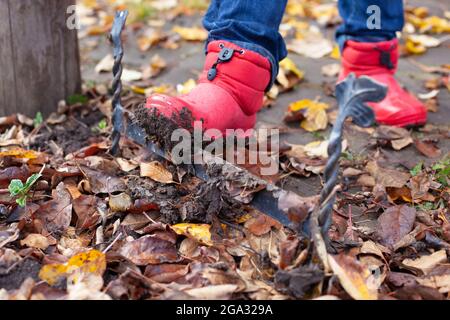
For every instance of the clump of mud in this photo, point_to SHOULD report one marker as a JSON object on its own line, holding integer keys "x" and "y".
{"x": 207, "y": 200}
{"x": 159, "y": 128}
{"x": 178, "y": 204}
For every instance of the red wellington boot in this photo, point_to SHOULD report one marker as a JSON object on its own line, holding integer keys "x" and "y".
{"x": 230, "y": 90}
{"x": 379, "y": 61}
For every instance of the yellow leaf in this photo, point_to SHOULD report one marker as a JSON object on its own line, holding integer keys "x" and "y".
{"x": 420, "y": 12}
{"x": 138, "y": 90}
{"x": 289, "y": 65}
{"x": 316, "y": 117}
{"x": 164, "y": 88}
{"x": 435, "y": 24}
{"x": 186, "y": 87}
{"x": 243, "y": 218}
{"x": 354, "y": 277}
{"x": 156, "y": 171}
{"x": 199, "y": 232}
{"x": 191, "y": 34}
{"x": 20, "y": 153}
{"x": 83, "y": 263}
{"x": 295, "y": 9}
{"x": 414, "y": 47}
{"x": 336, "y": 53}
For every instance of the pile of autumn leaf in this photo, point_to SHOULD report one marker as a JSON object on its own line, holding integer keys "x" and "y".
{"x": 71, "y": 229}
{"x": 76, "y": 232}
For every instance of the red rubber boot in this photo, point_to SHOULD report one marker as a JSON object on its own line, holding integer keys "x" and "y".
{"x": 379, "y": 61}
{"x": 230, "y": 90}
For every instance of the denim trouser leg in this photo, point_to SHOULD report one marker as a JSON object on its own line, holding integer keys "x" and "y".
{"x": 356, "y": 14}
{"x": 250, "y": 24}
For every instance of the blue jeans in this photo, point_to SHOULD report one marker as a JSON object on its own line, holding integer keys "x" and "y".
{"x": 254, "y": 24}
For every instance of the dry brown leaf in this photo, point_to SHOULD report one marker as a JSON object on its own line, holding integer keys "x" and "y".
{"x": 387, "y": 177}
{"x": 120, "y": 202}
{"x": 56, "y": 214}
{"x": 427, "y": 263}
{"x": 156, "y": 171}
{"x": 427, "y": 149}
{"x": 395, "y": 223}
{"x": 149, "y": 249}
{"x": 35, "y": 240}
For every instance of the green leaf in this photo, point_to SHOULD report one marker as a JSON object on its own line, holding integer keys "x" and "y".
{"x": 77, "y": 98}
{"x": 15, "y": 187}
{"x": 102, "y": 124}
{"x": 32, "y": 180}
{"x": 38, "y": 119}
{"x": 22, "y": 201}
{"x": 417, "y": 169}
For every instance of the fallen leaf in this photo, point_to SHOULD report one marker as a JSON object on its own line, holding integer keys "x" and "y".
{"x": 86, "y": 207}
{"x": 427, "y": 263}
{"x": 166, "y": 273}
{"x": 370, "y": 247}
{"x": 157, "y": 64}
{"x": 219, "y": 292}
{"x": 387, "y": 177}
{"x": 149, "y": 249}
{"x": 394, "y": 223}
{"x": 402, "y": 193}
{"x": 430, "y": 95}
{"x": 311, "y": 47}
{"x": 150, "y": 39}
{"x": 352, "y": 172}
{"x": 353, "y": 276}
{"x": 331, "y": 70}
{"x": 261, "y": 224}
{"x": 120, "y": 202}
{"x": 191, "y": 34}
{"x": 156, "y": 171}
{"x": 101, "y": 182}
{"x": 131, "y": 75}
{"x": 8, "y": 234}
{"x": 439, "y": 280}
{"x": 105, "y": 65}
{"x": 186, "y": 87}
{"x": 127, "y": 165}
{"x": 366, "y": 180}
{"x": 427, "y": 149}
{"x": 199, "y": 232}
{"x": 35, "y": 240}
{"x": 314, "y": 113}
{"x": 90, "y": 262}
{"x": 86, "y": 287}
{"x": 56, "y": 214}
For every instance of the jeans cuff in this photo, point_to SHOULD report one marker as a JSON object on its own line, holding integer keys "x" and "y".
{"x": 343, "y": 38}
{"x": 255, "y": 48}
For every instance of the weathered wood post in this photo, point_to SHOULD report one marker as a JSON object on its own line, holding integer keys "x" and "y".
{"x": 39, "y": 58}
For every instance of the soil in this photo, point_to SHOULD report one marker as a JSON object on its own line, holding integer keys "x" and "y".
{"x": 27, "y": 268}
{"x": 76, "y": 132}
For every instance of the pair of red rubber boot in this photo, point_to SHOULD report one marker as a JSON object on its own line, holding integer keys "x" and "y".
{"x": 231, "y": 87}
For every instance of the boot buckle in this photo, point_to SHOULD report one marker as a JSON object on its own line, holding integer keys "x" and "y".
{"x": 386, "y": 59}
{"x": 225, "y": 55}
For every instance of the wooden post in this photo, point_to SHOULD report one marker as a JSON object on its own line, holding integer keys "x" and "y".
{"x": 39, "y": 58}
